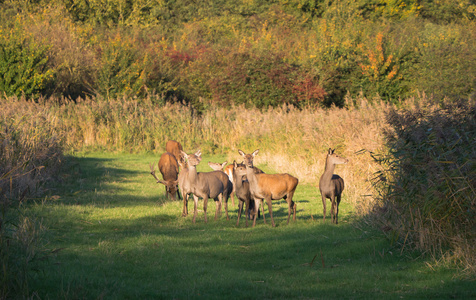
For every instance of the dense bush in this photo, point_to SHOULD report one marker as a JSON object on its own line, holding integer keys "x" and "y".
{"x": 218, "y": 53}
{"x": 23, "y": 65}
{"x": 428, "y": 184}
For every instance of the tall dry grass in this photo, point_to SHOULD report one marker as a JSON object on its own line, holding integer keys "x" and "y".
{"x": 31, "y": 152}
{"x": 290, "y": 140}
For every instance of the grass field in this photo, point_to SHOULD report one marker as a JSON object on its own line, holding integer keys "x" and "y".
{"x": 111, "y": 234}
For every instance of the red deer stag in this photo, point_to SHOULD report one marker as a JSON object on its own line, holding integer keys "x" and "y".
{"x": 203, "y": 184}
{"x": 332, "y": 185}
{"x": 169, "y": 168}
{"x": 175, "y": 148}
{"x": 270, "y": 187}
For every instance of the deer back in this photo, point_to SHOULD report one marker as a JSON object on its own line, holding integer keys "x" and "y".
{"x": 275, "y": 185}
{"x": 168, "y": 166}
{"x": 175, "y": 148}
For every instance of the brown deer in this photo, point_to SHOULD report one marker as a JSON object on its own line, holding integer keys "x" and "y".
{"x": 226, "y": 182}
{"x": 175, "y": 148}
{"x": 332, "y": 185}
{"x": 242, "y": 190}
{"x": 203, "y": 184}
{"x": 169, "y": 168}
{"x": 184, "y": 185}
{"x": 228, "y": 170}
{"x": 269, "y": 187}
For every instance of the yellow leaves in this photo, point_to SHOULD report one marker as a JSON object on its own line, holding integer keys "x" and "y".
{"x": 378, "y": 63}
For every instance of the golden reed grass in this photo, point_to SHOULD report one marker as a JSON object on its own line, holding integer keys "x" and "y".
{"x": 290, "y": 140}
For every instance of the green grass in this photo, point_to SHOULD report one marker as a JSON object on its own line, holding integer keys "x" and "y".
{"x": 113, "y": 235}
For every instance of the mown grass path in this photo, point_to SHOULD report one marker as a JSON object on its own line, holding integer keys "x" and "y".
{"x": 114, "y": 236}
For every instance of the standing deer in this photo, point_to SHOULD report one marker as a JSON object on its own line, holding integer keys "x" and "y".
{"x": 175, "y": 148}
{"x": 203, "y": 185}
{"x": 169, "y": 169}
{"x": 184, "y": 185}
{"x": 270, "y": 187}
{"x": 229, "y": 172}
{"x": 242, "y": 190}
{"x": 226, "y": 182}
{"x": 332, "y": 185}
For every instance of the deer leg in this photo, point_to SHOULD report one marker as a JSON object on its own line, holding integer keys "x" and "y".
{"x": 247, "y": 212}
{"x": 185, "y": 204}
{"x": 324, "y": 207}
{"x": 292, "y": 205}
{"x": 226, "y": 208}
{"x": 337, "y": 208}
{"x": 232, "y": 196}
{"x": 270, "y": 209}
{"x": 205, "y": 203}
{"x": 178, "y": 194}
{"x": 195, "y": 204}
{"x": 262, "y": 209}
{"x": 333, "y": 211}
{"x": 240, "y": 208}
{"x": 255, "y": 211}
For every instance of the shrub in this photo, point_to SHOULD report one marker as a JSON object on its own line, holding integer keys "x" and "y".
{"x": 122, "y": 70}
{"x": 428, "y": 187}
{"x": 24, "y": 67}
{"x": 263, "y": 80}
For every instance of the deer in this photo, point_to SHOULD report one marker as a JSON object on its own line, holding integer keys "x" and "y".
{"x": 169, "y": 168}
{"x": 228, "y": 170}
{"x": 242, "y": 190}
{"x": 269, "y": 187}
{"x": 331, "y": 185}
{"x": 204, "y": 184}
{"x": 175, "y": 148}
{"x": 218, "y": 168}
{"x": 184, "y": 185}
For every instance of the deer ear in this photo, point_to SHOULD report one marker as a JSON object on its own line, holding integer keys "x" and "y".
{"x": 329, "y": 151}
{"x": 242, "y": 153}
{"x": 198, "y": 153}
{"x": 224, "y": 164}
{"x": 235, "y": 164}
{"x": 255, "y": 152}
{"x": 185, "y": 155}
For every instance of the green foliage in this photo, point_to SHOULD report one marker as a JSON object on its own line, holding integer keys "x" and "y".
{"x": 258, "y": 53}
{"x": 24, "y": 68}
{"x": 121, "y": 70}
{"x": 447, "y": 11}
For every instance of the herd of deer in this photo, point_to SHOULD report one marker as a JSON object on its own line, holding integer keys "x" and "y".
{"x": 249, "y": 184}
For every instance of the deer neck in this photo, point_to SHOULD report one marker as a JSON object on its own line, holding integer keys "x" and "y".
{"x": 251, "y": 176}
{"x": 329, "y": 170}
{"x": 192, "y": 173}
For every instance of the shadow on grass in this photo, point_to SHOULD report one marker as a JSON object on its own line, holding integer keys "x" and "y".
{"x": 123, "y": 245}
